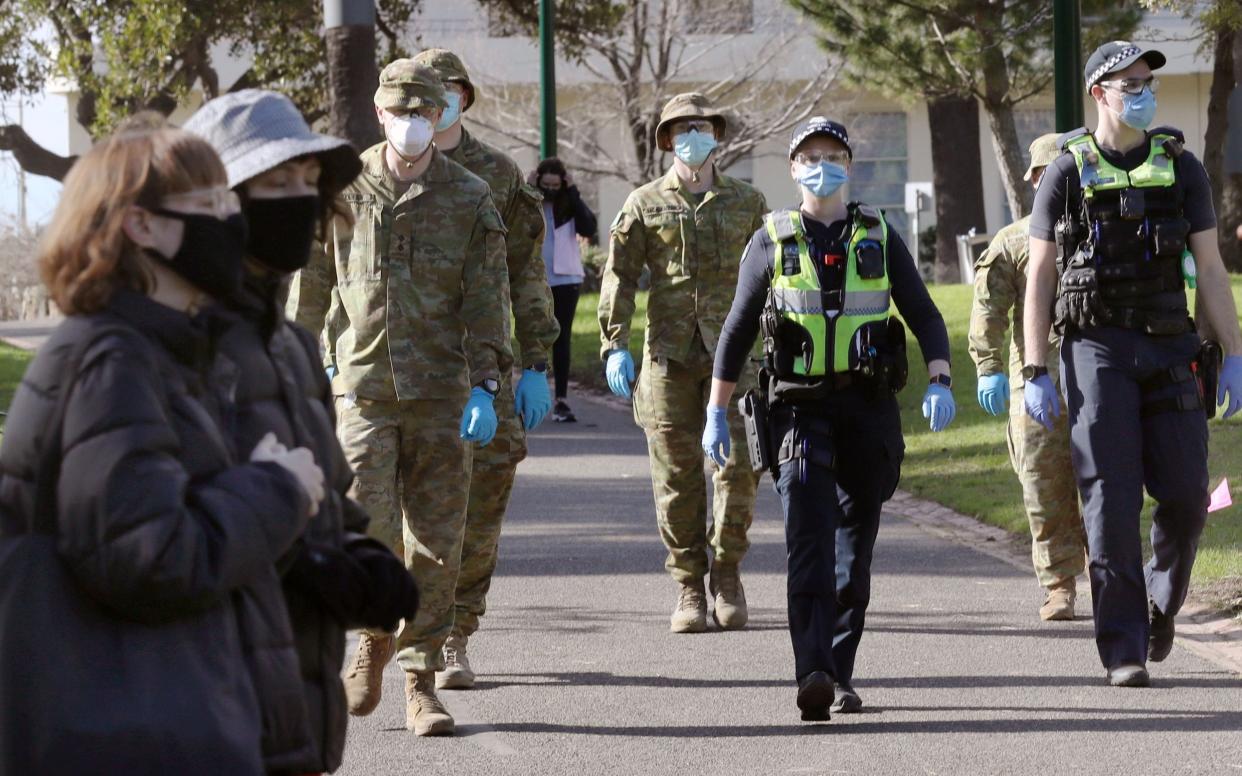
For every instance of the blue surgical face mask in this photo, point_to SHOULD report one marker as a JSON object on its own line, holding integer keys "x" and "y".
{"x": 1139, "y": 109}
{"x": 823, "y": 179}
{"x": 452, "y": 113}
{"x": 692, "y": 147}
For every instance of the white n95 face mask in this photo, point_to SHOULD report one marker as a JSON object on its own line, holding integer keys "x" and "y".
{"x": 409, "y": 135}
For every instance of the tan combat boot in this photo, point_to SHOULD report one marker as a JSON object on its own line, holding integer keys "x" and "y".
{"x": 1059, "y": 603}
{"x": 726, "y": 586}
{"x": 424, "y": 714}
{"x": 456, "y": 674}
{"x": 365, "y": 678}
{"x": 690, "y": 616}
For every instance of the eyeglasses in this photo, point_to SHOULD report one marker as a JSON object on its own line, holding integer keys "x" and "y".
{"x": 812, "y": 158}
{"x": 702, "y": 126}
{"x": 1134, "y": 85}
{"x": 220, "y": 201}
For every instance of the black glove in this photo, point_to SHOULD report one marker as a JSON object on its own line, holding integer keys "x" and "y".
{"x": 331, "y": 577}
{"x": 1079, "y": 301}
{"x": 391, "y": 593}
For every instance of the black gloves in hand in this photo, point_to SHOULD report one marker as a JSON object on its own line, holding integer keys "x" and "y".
{"x": 392, "y": 592}
{"x": 362, "y": 585}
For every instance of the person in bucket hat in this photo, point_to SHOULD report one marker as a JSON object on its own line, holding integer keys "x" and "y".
{"x": 519, "y": 407}
{"x": 413, "y": 303}
{"x": 288, "y": 179}
{"x": 687, "y": 227}
{"x": 1040, "y": 457}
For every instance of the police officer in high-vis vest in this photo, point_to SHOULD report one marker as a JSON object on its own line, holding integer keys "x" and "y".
{"x": 1124, "y": 219}
{"x": 817, "y": 282}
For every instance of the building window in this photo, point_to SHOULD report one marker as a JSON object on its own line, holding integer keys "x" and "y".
{"x": 718, "y": 17}
{"x": 881, "y": 165}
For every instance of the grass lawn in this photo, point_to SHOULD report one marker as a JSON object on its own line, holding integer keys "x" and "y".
{"x": 966, "y": 467}
{"x": 13, "y": 363}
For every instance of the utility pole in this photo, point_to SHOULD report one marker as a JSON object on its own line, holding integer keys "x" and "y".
{"x": 349, "y": 31}
{"x": 1067, "y": 68}
{"x": 547, "y": 80}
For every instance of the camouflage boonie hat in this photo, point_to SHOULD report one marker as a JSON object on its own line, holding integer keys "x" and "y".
{"x": 1044, "y": 151}
{"x": 690, "y": 105}
{"x": 407, "y": 85}
{"x": 450, "y": 68}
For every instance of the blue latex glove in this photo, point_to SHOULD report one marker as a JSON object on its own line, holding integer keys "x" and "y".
{"x": 478, "y": 422}
{"x": 993, "y": 393}
{"x": 1042, "y": 403}
{"x": 938, "y": 406}
{"x": 716, "y": 435}
{"x": 531, "y": 399}
{"x": 1230, "y": 380}
{"x": 620, "y": 372}
{"x": 331, "y": 371}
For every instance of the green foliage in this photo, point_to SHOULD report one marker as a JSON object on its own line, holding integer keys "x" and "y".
{"x": 577, "y": 21}
{"x": 939, "y": 48}
{"x": 125, "y": 55}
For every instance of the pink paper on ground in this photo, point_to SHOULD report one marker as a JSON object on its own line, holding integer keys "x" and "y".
{"x": 1220, "y": 496}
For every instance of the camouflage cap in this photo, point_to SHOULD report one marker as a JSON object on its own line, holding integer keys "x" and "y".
{"x": 1044, "y": 151}
{"x": 690, "y": 105}
{"x": 450, "y": 68}
{"x": 408, "y": 85}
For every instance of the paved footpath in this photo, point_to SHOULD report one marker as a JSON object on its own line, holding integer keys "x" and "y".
{"x": 578, "y": 673}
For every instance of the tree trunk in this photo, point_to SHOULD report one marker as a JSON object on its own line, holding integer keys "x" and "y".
{"x": 352, "y": 80}
{"x": 1214, "y": 139}
{"x": 957, "y": 174}
{"x": 1004, "y": 132}
{"x": 1229, "y": 209}
{"x": 34, "y": 158}
{"x": 1018, "y": 192}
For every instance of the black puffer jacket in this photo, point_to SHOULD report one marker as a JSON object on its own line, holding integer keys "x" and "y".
{"x": 283, "y": 389}
{"x": 156, "y": 518}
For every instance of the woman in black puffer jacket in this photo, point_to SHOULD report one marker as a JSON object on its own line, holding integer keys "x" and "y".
{"x": 157, "y": 522}
{"x": 288, "y": 178}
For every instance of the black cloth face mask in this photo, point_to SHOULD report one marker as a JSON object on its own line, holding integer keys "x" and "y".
{"x": 212, "y": 252}
{"x": 282, "y": 231}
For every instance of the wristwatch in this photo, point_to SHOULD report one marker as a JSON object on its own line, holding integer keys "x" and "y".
{"x": 944, "y": 380}
{"x": 1031, "y": 371}
{"x": 538, "y": 366}
{"x": 490, "y": 384}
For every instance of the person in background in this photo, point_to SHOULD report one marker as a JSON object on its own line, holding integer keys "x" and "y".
{"x": 159, "y": 524}
{"x": 288, "y": 179}
{"x": 1040, "y": 457}
{"x": 567, "y": 218}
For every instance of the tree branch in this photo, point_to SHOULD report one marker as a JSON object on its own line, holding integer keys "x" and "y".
{"x": 33, "y": 158}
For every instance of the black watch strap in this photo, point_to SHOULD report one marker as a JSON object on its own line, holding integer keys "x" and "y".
{"x": 944, "y": 380}
{"x": 538, "y": 366}
{"x": 1032, "y": 371}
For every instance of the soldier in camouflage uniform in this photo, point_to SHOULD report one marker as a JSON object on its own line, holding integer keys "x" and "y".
{"x": 1040, "y": 457}
{"x": 535, "y": 328}
{"x": 413, "y": 303}
{"x": 689, "y": 229}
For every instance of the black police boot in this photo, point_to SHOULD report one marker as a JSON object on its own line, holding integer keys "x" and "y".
{"x": 1160, "y": 640}
{"x": 1129, "y": 675}
{"x": 815, "y": 696}
{"x": 847, "y": 701}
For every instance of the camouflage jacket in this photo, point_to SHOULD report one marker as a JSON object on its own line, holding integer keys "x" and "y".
{"x": 413, "y": 302}
{"x": 693, "y": 253}
{"x": 535, "y": 327}
{"x": 1000, "y": 287}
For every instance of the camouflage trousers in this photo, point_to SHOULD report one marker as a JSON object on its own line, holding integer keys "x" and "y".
{"x": 1041, "y": 459}
{"x": 491, "y": 484}
{"x": 411, "y": 475}
{"x": 670, "y": 403}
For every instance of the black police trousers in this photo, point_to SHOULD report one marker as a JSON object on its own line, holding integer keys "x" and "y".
{"x": 832, "y": 514}
{"x": 1117, "y": 450}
